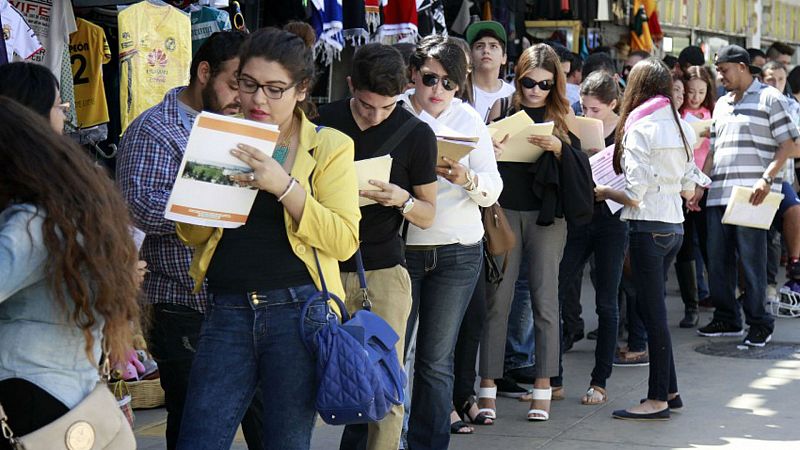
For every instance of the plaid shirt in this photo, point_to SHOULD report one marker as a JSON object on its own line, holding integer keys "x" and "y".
{"x": 150, "y": 154}
{"x": 745, "y": 137}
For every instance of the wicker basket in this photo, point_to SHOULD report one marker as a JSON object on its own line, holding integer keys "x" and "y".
{"x": 146, "y": 393}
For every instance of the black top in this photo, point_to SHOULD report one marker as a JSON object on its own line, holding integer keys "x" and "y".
{"x": 257, "y": 256}
{"x": 518, "y": 179}
{"x": 413, "y": 164}
{"x": 610, "y": 138}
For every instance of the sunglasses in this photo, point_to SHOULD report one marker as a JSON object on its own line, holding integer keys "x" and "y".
{"x": 431, "y": 80}
{"x": 530, "y": 83}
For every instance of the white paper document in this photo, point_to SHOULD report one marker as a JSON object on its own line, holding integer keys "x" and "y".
{"x": 203, "y": 193}
{"x": 742, "y": 213}
{"x": 603, "y": 173}
{"x": 372, "y": 169}
{"x": 138, "y": 237}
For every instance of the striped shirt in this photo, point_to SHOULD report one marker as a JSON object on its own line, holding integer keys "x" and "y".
{"x": 150, "y": 154}
{"x": 745, "y": 137}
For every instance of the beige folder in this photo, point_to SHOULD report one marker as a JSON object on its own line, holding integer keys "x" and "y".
{"x": 518, "y": 127}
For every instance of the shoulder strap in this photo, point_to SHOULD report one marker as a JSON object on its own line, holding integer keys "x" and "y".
{"x": 394, "y": 140}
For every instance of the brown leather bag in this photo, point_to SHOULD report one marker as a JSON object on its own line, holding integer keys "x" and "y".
{"x": 499, "y": 237}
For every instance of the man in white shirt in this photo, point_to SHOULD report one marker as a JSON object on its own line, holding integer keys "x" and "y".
{"x": 487, "y": 39}
{"x": 574, "y": 78}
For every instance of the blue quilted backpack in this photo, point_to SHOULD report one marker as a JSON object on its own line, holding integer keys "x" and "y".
{"x": 359, "y": 375}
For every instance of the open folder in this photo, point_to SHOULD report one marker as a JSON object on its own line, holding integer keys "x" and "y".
{"x": 518, "y": 127}
{"x": 589, "y": 131}
{"x": 449, "y": 142}
{"x": 372, "y": 169}
{"x": 700, "y": 127}
{"x": 742, "y": 213}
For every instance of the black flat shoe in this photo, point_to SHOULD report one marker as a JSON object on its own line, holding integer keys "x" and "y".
{"x": 625, "y": 415}
{"x": 456, "y": 427}
{"x": 675, "y": 404}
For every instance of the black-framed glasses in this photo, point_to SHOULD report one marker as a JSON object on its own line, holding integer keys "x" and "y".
{"x": 530, "y": 83}
{"x": 249, "y": 86}
{"x": 431, "y": 80}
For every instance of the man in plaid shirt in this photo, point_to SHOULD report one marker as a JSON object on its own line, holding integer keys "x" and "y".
{"x": 751, "y": 139}
{"x": 150, "y": 154}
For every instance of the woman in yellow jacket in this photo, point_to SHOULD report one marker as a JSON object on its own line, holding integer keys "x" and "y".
{"x": 260, "y": 274}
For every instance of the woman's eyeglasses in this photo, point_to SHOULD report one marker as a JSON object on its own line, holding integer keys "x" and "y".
{"x": 249, "y": 86}
{"x": 530, "y": 83}
{"x": 431, "y": 80}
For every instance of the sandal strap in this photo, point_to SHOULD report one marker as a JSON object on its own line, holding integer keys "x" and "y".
{"x": 542, "y": 394}
{"x": 490, "y": 392}
{"x": 489, "y": 412}
{"x": 544, "y": 414}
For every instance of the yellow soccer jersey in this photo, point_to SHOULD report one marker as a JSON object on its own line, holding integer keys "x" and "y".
{"x": 88, "y": 51}
{"x": 155, "y": 51}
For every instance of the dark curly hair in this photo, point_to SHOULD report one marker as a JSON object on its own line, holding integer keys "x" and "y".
{"x": 86, "y": 229}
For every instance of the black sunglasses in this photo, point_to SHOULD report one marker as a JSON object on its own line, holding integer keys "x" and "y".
{"x": 530, "y": 83}
{"x": 431, "y": 80}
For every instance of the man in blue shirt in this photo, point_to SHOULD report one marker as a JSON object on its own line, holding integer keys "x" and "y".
{"x": 149, "y": 156}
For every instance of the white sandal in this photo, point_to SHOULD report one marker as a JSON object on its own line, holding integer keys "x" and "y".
{"x": 491, "y": 393}
{"x": 540, "y": 394}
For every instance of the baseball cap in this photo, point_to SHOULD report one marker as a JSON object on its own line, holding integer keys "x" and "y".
{"x": 495, "y": 28}
{"x": 692, "y": 55}
{"x": 736, "y": 54}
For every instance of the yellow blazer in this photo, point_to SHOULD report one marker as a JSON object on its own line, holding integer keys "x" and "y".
{"x": 330, "y": 218}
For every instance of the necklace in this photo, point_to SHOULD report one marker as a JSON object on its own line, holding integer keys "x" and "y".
{"x": 282, "y": 149}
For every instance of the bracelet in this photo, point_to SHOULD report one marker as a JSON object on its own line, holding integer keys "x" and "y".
{"x": 289, "y": 188}
{"x": 469, "y": 186}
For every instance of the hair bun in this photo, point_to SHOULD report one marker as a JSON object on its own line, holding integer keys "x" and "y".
{"x": 304, "y": 31}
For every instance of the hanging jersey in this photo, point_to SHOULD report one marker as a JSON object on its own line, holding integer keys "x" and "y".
{"x": 205, "y": 22}
{"x": 155, "y": 51}
{"x": 88, "y": 51}
{"x": 18, "y": 37}
{"x": 52, "y": 21}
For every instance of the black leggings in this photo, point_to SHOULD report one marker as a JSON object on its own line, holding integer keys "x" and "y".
{"x": 28, "y": 407}
{"x": 694, "y": 223}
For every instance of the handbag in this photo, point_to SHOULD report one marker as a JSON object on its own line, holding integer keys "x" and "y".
{"x": 95, "y": 423}
{"x": 500, "y": 238}
{"x": 359, "y": 374}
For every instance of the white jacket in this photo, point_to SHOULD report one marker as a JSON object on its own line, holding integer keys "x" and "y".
{"x": 458, "y": 219}
{"x": 657, "y": 167}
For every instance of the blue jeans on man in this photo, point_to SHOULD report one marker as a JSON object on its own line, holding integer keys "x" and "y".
{"x": 442, "y": 279}
{"x": 727, "y": 246}
{"x": 521, "y": 339}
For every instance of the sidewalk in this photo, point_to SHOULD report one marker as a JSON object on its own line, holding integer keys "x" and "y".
{"x": 731, "y": 402}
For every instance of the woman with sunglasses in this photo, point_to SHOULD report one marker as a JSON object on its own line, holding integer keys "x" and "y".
{"x": 541, "y": 93}
{"x": 260, "y": 274}
{"x": 444, "y": 261}
{"x": 654, "y": 150}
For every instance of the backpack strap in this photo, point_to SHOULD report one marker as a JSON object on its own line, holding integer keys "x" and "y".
{"x": 396, "y": 138}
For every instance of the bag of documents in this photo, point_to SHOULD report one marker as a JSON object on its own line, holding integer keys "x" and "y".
{"x": 359, "y": 373}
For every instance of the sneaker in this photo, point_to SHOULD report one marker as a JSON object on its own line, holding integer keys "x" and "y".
{"x": 507, "y": 387}
{"x": 718, "y": 328}
{"x": 627, "y": 360}
{"x": 522, "y": 375}
{"x": 758, "y": 336}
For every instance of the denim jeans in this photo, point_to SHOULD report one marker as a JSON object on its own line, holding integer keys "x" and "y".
{"x": 173, "y": 338}
{"x": 521, "y": 339}
{"x": 727, "y": 245}
{"x": 606, "y": 238}
{"x": 637, "y": 334}
{"x": 652, "y": 254}
{"x": 469, "y": 339}
{"x": 442, "y": 282}
{"x": 246, "y": 343}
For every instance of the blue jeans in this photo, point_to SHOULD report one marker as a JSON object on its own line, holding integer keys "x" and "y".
{"x": 442, "y": 281}
{"x": 521, "y": 338}
{"x": 246, "y": 343}
{"x": 651, "y": 256}
{"x": 606, "y": 237}
{"x": 727, "y": 245}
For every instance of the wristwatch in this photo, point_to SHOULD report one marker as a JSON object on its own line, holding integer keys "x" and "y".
{"x": 768, "y": 179}
{"x": 407, "y": 206}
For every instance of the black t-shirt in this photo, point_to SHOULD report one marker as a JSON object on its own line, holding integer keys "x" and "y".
{"x": 257, "y": 256}
{"x": 610, "y": 139}
{"x": 413, "y": 164}
{"x": 518, "y": 178}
